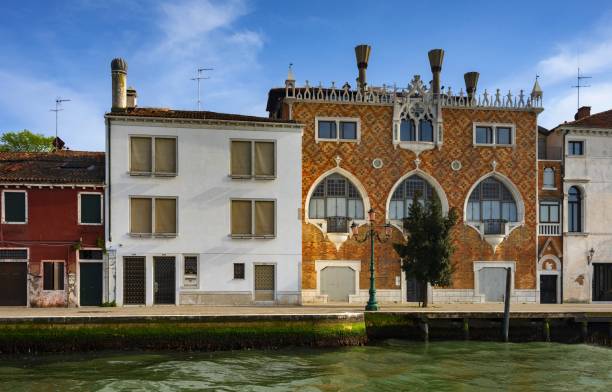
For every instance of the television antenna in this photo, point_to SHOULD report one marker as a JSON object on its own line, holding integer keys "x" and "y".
{"x": 200, "y": 77}
{"x": 578, "y": 86}
{"x": 58, "y": 104}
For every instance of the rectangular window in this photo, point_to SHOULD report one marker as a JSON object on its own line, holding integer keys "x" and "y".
{"x": 575, "y": 147}
{"x": 339, "y": 129}
{"x": 549, "y": 212}
{"x": 501, "y": 135}
{"x": 348, "y": 130}
{"x": 253, "y": 158}
{"x": 484, "y": 135}
{"x": 53, "y": 275}
{"x": 327, "y": 130}
{"x": 153, "y": 154}
{"x": 91, "y": 254}
{"x": 253, "y": 218}
{"x": 238, "y": 270}
{"x": 14, "y": 208}
{"x": 190, "y": 271}
{"x": 153, "y": 215}
{"x": 90, "y": 208}
{"x": 13, "y": 254}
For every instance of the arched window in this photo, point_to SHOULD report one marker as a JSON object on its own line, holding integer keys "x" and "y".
{"x": 574, "y": 210}
{"x": 492, "y": 204}
{"x": 335, "y": 196}
{"x": 549, "y": 178}
{"x": 402, "y": 197}
{"x": 408, "y": 131}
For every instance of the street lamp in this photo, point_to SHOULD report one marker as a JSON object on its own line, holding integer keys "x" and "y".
{"x": 372, "y": 234}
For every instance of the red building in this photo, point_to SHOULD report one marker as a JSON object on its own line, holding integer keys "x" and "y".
{"x": 52, "y": 229}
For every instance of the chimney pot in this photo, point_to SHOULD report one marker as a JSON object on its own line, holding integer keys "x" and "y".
{"x": 119, "y": 83}
{"x": 583, "y": 111}
{"x": 471, "y": 83}
{"x": 362, "y": 55}
{"x": 436, "y": 58}
{"x": 131, "y": 96}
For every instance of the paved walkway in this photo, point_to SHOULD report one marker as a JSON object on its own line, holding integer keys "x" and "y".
{"x": 171, "y": 310}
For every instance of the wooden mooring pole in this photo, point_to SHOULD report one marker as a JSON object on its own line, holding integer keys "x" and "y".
{"x": 507, "y": 304}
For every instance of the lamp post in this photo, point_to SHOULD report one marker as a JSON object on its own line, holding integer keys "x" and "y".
{"x": 372, "y": 234}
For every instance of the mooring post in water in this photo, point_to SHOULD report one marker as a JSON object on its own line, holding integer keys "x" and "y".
{"x": 585, "y": 330}
{"x": 466, "y": 329}
{"x": 547, "y": 330}
{"x": 425, "y": 327}
{"x": 507, "y": 304}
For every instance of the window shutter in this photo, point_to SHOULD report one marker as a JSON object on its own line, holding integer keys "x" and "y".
{"x": 59, "y": 276}
{"x": 264, "y": 159}
{"x": 241, "y": 158}
{"x": 264, "y": 218}
{"x": 140, "y": 154}
{"x": 241, "y": 217}
{"x": 14, "y": 207}
{"x": 165, "y": 216}
{"x": 165, "y": 155}
{"x": 140, "y": 215}
{"x": 91, "y": 208}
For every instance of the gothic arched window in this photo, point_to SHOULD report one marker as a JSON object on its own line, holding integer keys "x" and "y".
{"x": 491, "y": 203}
{"x": 402, "y": 197}
{"x": 335, "y": 196}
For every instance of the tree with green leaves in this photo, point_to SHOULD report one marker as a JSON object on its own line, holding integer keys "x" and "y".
{"x": 25, "y": 141}
{"x": 428, "y": 248}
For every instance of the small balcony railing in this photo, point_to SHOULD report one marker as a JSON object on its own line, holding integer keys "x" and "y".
{"x": 494, "y": 226}
{"x": 337, "y": 224}
{"x": 552, "y": 229}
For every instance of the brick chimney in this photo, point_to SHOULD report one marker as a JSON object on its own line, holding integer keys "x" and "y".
{"x": 583, "y": 111}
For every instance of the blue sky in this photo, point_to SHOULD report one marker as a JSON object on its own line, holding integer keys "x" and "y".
{"x": 55, "y": 48}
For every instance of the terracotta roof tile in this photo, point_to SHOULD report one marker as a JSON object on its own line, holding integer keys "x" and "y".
{"x": 192, "y": 114}
{"x": 52, "y": 167}
{"x": 597, "y": 120}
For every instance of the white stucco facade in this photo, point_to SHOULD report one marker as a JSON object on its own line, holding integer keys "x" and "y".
{"x": 203, "y": 189}
{"x": 591, "y": 173}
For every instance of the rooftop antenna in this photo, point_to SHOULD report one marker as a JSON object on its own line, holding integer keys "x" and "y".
{"x": 58, "y": 103}
{"x": 578, "y": 86}
{"x": 200, "y": 77}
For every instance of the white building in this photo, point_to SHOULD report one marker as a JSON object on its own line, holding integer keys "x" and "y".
{"x": 587, "y": 217}
{"x": 203, "y": 207}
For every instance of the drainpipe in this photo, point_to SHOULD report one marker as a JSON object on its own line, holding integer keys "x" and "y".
{"x": 563, "y": 211}
{"x": 108, "y": 203}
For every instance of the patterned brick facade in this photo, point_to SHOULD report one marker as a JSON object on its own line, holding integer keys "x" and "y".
{"x": 517, "y": 163}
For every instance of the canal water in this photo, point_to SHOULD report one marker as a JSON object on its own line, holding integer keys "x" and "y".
{"x": 390, "y": 366}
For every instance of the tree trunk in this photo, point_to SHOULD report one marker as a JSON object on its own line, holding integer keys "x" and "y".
{"x": 425, "y": 295}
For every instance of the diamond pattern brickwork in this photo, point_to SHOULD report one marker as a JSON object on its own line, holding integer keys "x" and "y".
{"x": 517, "y": 163}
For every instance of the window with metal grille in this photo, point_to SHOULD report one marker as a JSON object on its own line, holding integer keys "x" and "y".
{"x": 90, "y": 210}
{"x": 238, "y": 270}
{"x": 14, "y": 207}
{"x": 336, "y": 197}
{"x": 53, "y": 275}
{"x": 190, "y": 271}
{"x": 404, "y": 194}
{"x": 491, "y": 202}
{"x": 91, "y": 254}
{"x": 13, "y": 254}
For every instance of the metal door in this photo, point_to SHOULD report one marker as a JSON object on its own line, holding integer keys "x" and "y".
{"x": 492, "y": 282}
{"x": 337, "y": 283}
{"x": 415, "y": 290}
{"x": 602, "y": 282}
{"x": 164, "y": 280}
{"x": 90, "y": 284}
{"x": 548, "y": 289}
{"x": 13, "y": 283}
{"x": 134, "y": 280}
{"x": 264, "y": 283}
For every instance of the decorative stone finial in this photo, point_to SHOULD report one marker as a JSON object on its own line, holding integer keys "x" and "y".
{"x": 338, "y": 160}
{"x": 536, "y": 92}
{"x": 417, "y": 163}
{"x": 494, "y": 164}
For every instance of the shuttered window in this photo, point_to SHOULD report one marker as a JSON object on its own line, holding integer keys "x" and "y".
{"x": 165, "y": 155}
{"x": 238, "y": 270}
{"x": 90, "y": 208}
{"x": 14, "y": 207}
{"x": 251, "y": 158}
{"x": 53, "y": 275}
{"x": 153, "y": 215}
{"x": 253, "y": 218}
{"x": 153, "y": 154}
{"x": 140, "y": 216}
{"x": 140, "y": 155}
{"x": 165, "y": 216}
{"x": 264, "y": 159}
{"x": 241, "y": 218}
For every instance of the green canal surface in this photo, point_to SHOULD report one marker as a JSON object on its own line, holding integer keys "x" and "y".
{"x": 389, "y": 366}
